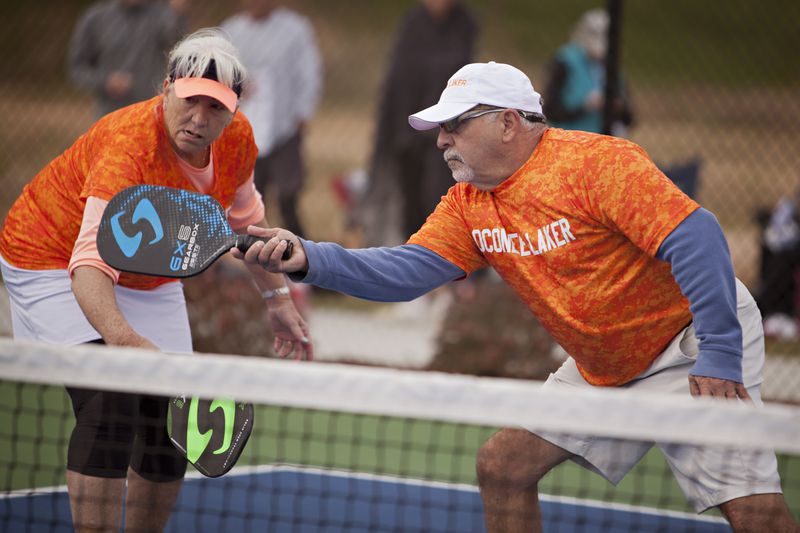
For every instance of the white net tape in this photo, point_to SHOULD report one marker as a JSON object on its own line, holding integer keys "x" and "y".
{"x": 412, "y": 394}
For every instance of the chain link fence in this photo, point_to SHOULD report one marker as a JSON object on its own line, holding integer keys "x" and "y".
{"x": 714, "y": 89}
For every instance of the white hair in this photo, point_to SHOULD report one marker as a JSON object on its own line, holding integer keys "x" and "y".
{"x": 590, "y": 31}
{"x": 207, "y": 53}
{"x": 527, "y": 125}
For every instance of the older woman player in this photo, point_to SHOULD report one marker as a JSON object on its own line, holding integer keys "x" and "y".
{"x": 61, "y": 292}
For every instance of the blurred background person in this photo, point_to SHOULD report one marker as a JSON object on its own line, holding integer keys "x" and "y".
{"x": 575, "y": 93}
{"x": 574, "y": 98}
{"x": 435, "y": 39}
{"x": 777, "y": 293}
{"x": 117, "y": 49}
{"x": 279, "y": 48}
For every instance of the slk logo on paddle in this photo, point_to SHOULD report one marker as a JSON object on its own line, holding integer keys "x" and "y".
{"x": 144, "y": 210}
{"x": 210, "y": 433}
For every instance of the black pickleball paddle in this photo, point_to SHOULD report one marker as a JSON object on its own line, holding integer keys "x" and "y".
{"x": 162, "y": 231}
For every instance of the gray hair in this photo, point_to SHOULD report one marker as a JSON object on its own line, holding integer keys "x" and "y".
{"x": 207, "y": 53}
{"x": 528, "y": 125}
{"x": 590, "y": 31}
{"x": 535, "y": 122}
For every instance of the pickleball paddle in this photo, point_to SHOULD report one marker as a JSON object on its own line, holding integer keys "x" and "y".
{"x": 211, "y": 434}
{"x": 162, "y": 231}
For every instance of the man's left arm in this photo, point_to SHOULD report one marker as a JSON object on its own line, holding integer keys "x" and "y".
{"x": 701, "y": 264}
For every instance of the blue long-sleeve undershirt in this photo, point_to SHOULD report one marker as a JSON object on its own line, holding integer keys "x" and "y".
{"x": 696, "y": 249}
{"x": 701, "y": 264}
{"x": 396, "y": 274}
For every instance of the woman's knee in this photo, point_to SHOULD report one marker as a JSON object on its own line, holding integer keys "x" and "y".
{"x": 103, "y": 436}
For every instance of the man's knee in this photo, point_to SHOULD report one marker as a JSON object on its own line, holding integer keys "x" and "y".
{"x": 516, "y": 458}
{"x": 760, "y": 512}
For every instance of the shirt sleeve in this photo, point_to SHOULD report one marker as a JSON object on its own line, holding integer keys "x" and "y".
{"x": 628, "y": 193}
{"x": 395, "y": 274}
{"x": 113, "y": 170}
{"x": 85, "y": 253}
{"x": 248, "y": 206}
{"x": 701, "y": 264}
{"x": 447, "y": 234}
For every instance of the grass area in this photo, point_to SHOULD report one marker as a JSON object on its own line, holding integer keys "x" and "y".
{"x": 35, "y": 422}
{"x": 432, "y": 451}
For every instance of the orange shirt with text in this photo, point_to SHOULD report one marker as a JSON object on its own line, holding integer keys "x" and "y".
{"x": 575, "y": 232}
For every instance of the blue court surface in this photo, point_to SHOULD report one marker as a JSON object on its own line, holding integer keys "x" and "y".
{"x": 298, "y": 500}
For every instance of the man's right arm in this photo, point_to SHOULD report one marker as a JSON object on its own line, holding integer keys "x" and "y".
{"x": 395, "y": 274}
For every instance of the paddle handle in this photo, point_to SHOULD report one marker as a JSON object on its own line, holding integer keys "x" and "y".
{"x": 244, "y": 242}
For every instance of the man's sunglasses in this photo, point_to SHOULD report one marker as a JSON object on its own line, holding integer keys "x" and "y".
{"x": 452, "y": 125}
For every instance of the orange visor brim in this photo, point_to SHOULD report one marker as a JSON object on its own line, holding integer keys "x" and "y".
{"x": 186, "y": 87}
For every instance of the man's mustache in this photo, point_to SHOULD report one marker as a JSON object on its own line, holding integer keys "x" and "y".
{"x": 451, "y": 154}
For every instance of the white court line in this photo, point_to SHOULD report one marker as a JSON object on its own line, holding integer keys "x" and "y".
{"x": 384, "y": 478}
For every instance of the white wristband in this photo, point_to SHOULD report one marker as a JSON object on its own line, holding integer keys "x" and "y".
{"x": 272, "y": 293}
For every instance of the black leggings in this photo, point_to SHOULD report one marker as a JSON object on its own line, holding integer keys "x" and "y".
{"x": 114, "y": 430}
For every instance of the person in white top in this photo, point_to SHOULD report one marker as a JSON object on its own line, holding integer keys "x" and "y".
{"x": 279, "y": 49}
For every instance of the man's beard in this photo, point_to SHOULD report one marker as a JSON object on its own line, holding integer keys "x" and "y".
{"x": 464, "y": 173}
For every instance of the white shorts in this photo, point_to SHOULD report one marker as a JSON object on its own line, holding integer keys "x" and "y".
{"x": 700, "y": 471}
{"x": 43, "y": 308}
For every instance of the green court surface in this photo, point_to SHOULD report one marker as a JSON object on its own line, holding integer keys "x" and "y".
{"x": 36, "y": 420}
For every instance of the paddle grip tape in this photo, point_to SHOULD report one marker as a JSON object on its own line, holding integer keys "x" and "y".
{"x": 244, "y": 242}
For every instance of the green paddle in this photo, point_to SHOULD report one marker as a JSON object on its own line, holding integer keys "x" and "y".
{"x": 210, "y": 433}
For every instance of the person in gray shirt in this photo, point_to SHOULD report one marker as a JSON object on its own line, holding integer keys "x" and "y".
{"x": 118, "y": 47}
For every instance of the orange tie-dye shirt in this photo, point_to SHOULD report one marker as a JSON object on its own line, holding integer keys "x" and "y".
{"x": 575, "y": 232}
{"x": 125, "y": 148}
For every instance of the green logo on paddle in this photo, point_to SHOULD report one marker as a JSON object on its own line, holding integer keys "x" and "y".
{"x": 196, "y": 442}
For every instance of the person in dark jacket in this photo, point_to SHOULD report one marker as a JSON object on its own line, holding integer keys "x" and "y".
{"x": 575, "y": 93}
{"x": 436, "y": 38}
{"x": 117, "y": 49}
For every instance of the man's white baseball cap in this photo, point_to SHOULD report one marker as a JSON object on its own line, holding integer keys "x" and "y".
{"x": 495, "y": 84}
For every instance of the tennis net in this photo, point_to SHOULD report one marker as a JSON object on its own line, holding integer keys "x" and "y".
{"x": 345, "y": 448}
